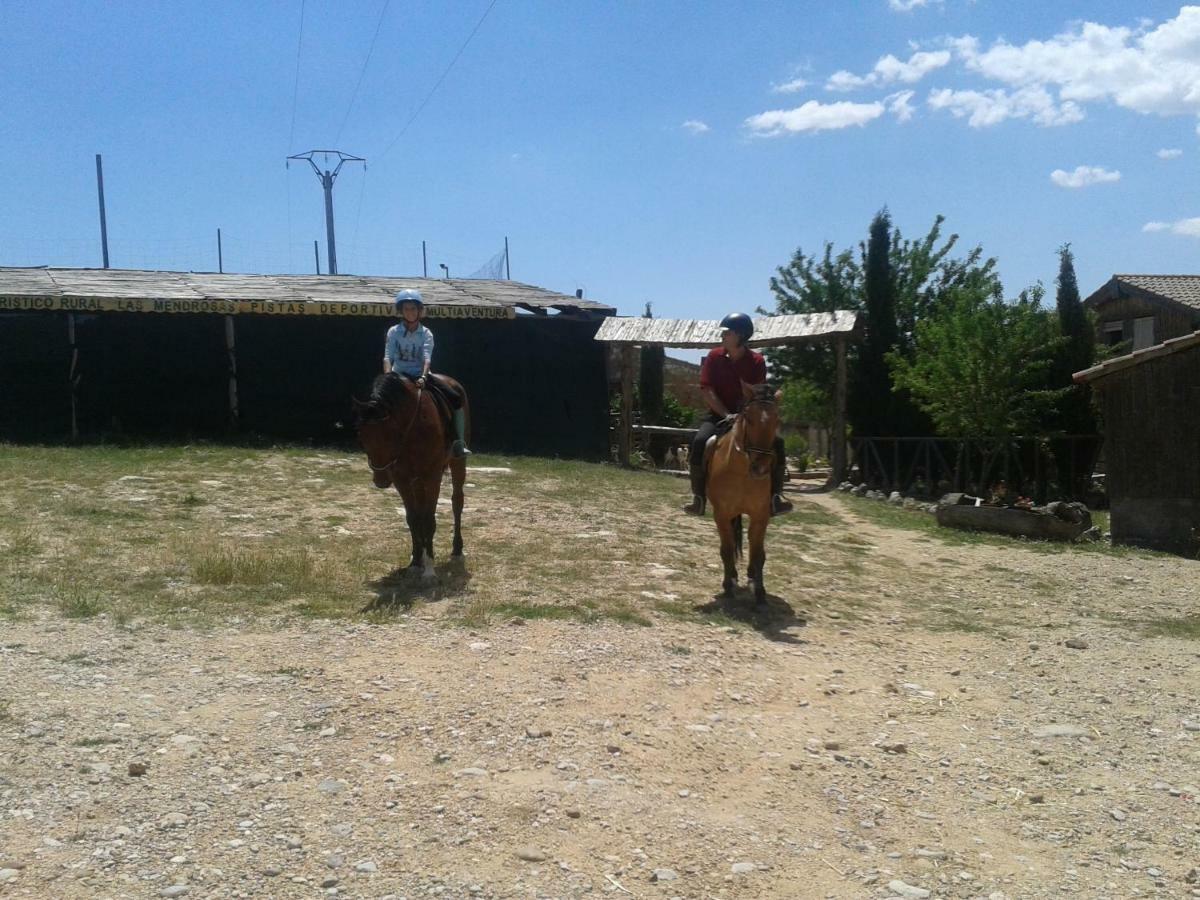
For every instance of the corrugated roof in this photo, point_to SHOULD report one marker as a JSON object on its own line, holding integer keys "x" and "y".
{"x": 136, "y": 284}
{"x": 1108, "y": 367}
{"x": 768, "y": 330}
{"x": 1184, "y": 289}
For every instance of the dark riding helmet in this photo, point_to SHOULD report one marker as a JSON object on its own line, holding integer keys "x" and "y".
{"x": 408, "y": 295}
{"x": 739, "y": 323}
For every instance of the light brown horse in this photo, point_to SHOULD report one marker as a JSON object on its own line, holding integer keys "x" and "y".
{"x": 739, "y": 484}
{"x": 407, "y": 438}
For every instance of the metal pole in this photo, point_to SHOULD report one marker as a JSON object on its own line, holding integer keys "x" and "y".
{"x": 220, "y": 256}
{"x": 424, "y": 261}
{"x": 317, "y": 256}
{"x": 507, "y": 270}
{"x": 331, "y": 255}
{"x": 103, "y": 220}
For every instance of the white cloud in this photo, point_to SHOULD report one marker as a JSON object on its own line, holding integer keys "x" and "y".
{"x": 890, "y": 70}
{"x": 1169, "y": 154}
{"x": 813, "y": 116}
{"x": 909, "y": 5}
{"x": 790, "y": 87}
{"x": 1083, "y": 176}
{"x": 985, "y": 108}
{"x": 1146, "y": 70}
{"x": 898, "y": 105}
{"x": 1185, "y": 227}
{"x": 695, "y": 126}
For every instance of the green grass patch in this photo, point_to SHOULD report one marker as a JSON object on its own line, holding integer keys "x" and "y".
{"x": 227, "y": 565}
{"x": 98, "y": 741}
{"x": 1186, "y": 628}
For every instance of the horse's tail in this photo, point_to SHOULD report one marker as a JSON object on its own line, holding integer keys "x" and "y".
{"x": 737, "y": 535}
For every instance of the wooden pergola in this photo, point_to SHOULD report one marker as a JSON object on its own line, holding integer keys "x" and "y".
{"x": 631, "y": 333}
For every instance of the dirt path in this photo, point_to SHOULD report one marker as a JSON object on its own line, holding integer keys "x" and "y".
{"x": 921, "y": 728}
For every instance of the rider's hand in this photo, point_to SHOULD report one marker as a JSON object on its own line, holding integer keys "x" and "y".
{"x": 421, "y": 381}
{"x": 730, "y": 418}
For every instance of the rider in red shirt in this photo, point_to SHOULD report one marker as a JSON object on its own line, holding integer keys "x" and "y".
{"x": 721, "y": 377}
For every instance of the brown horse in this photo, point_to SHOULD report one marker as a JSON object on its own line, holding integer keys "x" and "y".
{"x": 739, "y": 484}
{"x": 407, "y": 438}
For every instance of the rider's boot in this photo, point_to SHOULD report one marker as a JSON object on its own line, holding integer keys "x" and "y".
{"x": 696, "y": 471}
{"x": 459, "y": 448}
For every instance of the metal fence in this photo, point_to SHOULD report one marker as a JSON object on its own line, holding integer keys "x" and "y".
{"x": 1043, "y": 467}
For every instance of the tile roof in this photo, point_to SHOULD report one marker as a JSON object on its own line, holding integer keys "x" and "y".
{"x": 1183, "y": 289}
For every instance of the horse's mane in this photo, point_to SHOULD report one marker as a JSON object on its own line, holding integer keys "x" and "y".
{"x": 387, "y": 391}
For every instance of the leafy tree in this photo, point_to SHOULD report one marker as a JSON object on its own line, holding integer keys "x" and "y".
{"x": 979, "y": 365}
{"x": 921, "y": 273}
{"x": 1078, "y": 350}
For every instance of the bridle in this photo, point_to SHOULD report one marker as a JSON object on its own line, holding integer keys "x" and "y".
{"x": 408, "y": 428}
{"x": 742, "y": 415}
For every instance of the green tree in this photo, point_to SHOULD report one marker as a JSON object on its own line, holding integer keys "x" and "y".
{"x": 922, "y": 272}
{"x": 979, "y": 365}
{"x": 1078, "y": 350}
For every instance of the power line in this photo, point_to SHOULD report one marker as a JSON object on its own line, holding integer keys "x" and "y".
{"x": 296, "y": 86}
{"x": 363, "y": 71}
{"x": 438, "y": 83}
{"x": 292, "y": 132}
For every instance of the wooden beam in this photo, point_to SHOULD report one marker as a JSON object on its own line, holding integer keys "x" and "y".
{"x": 839, "y": 462}
{"x": 625, "y": 428}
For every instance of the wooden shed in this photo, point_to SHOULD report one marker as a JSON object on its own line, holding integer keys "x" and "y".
{"x": 1144, "y": 310}
{"x": 1149, "y": 401}
{"x": 180, "y": 355}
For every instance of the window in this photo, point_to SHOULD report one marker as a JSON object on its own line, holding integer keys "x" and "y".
{"x": 1114, "y": 333}
{"x": 1143, "y": 332}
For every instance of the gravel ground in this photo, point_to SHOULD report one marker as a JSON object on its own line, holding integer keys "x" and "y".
{"x": 1043, "y": 746}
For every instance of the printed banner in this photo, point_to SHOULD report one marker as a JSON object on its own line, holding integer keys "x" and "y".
{"x": 247, "y": 307}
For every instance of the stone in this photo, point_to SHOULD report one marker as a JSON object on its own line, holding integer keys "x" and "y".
{"x": 8, "y": 875}
{"x": 137, "y": 768}
{"x": 272, "y": 871}
{"x": 532, "y": 732}
{"x": 1076, "y": 643}
{"x": 472, "y": 772}
{"x": 331, "y": 786}
{"x": 366, "y": 866}
{"x": 329, "y": 882}
{"x": 173, "y": 820}
{"x": 573, "y": 813}
{"x": 894, "y": 748}
{"x": 1049, "y": 731}
{"x": 335, "y": 860}
{"x": 1117, "y": 814}
{"x": 903, "y": 889}
{"x": 743, "y": 868}
{"x": 664, "y": 875}
{"x": 175, "y": 890}
{"x": 531, "y": 854}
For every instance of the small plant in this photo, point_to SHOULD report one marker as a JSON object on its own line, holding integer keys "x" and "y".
{"x": 78, "y": 604}
{"x": 679, "y": 650}
{"x": 190, "y": 499}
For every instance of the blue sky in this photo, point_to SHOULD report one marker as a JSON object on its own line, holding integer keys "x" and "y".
{"x": 644, "y": 151}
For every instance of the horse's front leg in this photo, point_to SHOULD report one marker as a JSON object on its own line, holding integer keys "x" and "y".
{"x": 412, "y": 517}
{"x": 430, "y": 526}
{"x": 758, "y": 557}
{"x": 728, "y": 553}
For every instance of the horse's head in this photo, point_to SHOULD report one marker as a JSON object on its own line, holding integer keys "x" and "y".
{"x": 380, "y": 431}
{"x": 760, "y": 422}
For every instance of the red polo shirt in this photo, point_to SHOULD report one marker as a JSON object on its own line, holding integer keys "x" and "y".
{"x": 725, "y": 376}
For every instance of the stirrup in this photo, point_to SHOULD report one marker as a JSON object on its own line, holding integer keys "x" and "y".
{"x": 780, "y": 505}
{"x": 459, "y": 449}
{"x": 696, "y": 507}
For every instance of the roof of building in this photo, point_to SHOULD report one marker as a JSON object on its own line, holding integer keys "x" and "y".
{"x": 1182, "y": 289}
{"x": 768, "y": 330}
{"x": 1137, "y": 357}
{"x": 101, "y": 285}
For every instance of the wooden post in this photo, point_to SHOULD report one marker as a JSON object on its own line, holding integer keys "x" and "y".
{"x": 839, "y": 463}
{"x": 625, "y": 429}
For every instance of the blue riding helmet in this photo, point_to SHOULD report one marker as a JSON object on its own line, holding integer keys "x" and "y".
{"x": 408, "y": 295}
{"x": 739, "y": 323}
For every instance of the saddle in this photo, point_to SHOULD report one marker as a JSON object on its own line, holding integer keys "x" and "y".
{"x": 446, "y": 400}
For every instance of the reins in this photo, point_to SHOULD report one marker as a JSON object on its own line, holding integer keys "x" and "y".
{"x": 411, "y": 422}
{"x": 742, "y": 417}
